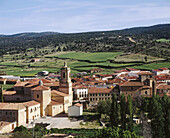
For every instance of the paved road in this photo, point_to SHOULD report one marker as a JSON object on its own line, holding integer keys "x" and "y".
{"x": 59, "y": 122}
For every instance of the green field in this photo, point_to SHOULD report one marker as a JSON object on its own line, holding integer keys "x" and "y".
{"x": 153, "y": 66}
{"x": 136, "y": 57}
{"x": 163, "y": 40}
{"x": 23, "y": 67}
{"x": 94, "y": 57}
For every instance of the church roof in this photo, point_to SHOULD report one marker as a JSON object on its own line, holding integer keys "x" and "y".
{"x": 59, "y": 93}
{"x": 40, "y": 88}
{"x": 53, "y": 102}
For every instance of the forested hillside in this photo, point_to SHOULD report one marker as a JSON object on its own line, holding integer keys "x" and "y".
{"x": 152, "y": 40}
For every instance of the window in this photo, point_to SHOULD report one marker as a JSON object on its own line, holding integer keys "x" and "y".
{"x": 37, "y": 95}
{"x": 10, "y": 113}
{"x": 146, "y": 92}
{"x": 102, "y": 94}
{"x": 31, "y": 110}
{"x": 99, "y": 94}
{"x": 64, "y": 75}
{"x": 131, "y": 88}
{"x": 6, "y": 113}
{"x": 90, "y": 99}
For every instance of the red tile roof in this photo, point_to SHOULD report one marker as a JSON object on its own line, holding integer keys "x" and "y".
{"x": 31, "y": 103}
{"x": 164, "y": 87}
{"x": 123, "y": 70}
{"x": 78, "y": 104}
{"x": 53, "y": 102}
{"x": 115, "y": 80}
{"x": 163, "y": 69}
{"x": 145, "y": 73}
{"x": 40, "y": 88}
{"x": 99, "y": 90}
{"x": 12, "y": 106}
{"x": 131, "y": 83}
{"x": 59, "y": 93}
{"x": 21, "y": 84}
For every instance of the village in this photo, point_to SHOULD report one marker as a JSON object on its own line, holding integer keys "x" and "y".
{"x": 32, "y": 99}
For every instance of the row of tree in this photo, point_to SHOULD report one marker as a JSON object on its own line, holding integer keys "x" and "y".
{"x": 154, "y": 114}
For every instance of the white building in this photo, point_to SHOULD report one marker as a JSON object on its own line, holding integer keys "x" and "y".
{"x": 80, "y": 93}
{"x": 160, "y": 71}
{"x": 75, "y": 110}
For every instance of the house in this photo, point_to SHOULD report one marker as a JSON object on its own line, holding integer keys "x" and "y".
{"x": 75, "y": 110}
{"x": 35, "y": 60}
{"x": 80, "y": 93}
{"x": 95, "y": 70}
{"x": 6, "y": 127}
{"x": 160, "y": 71}
{"x": 162, "y": 89}
{"x": 97, "y": 94}
{"x": 43, "y": 73}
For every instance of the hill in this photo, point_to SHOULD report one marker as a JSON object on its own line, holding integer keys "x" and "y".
{"x": 143, "y": 40}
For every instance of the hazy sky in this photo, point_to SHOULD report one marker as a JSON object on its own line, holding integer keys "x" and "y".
{"x": 80, "y": 15}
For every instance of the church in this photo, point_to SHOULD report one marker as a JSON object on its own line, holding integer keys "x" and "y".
{"x": 37, "y": 98}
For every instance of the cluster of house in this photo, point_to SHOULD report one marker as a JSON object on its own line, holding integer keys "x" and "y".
{"x": 127, "y": 81}
{"x": 35, "y": 98}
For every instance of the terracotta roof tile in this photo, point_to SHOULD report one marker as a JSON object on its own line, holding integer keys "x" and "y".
{"x": 40, "y": 88}
{"x": 164, "y": 87}
{"x": 53, "y": 102}
{"x": 59, "y": 93}
{"x": 131, "y": 83}
{"x": 12, "y": 106}
{"x": 99, "y": 90}
{"x": 145, "y": 73}
{"x": 20, "y": 84}
{"x": 31, "y": 103}
{"x": 78, "y": 104}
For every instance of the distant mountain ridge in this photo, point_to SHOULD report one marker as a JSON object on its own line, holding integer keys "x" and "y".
{"x": 30, "y": 34}
{"x": 145, "y": 40}
{"x": 126, "y": 31}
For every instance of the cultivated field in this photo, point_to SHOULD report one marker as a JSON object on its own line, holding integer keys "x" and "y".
{"x": 78, "y": 62}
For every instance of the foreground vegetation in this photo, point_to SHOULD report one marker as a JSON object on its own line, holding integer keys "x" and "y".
{"x": 155, "y": 109}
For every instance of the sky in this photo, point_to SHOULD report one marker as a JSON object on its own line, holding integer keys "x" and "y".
{"x": 71, "y": 16}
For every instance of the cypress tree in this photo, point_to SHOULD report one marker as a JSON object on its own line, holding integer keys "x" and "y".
{"x": 1, "y": 94}
{"x": 114, "y": 111}
{"x": 166, "y": 111}
{"x": 123, "y": 112}
{"x": 156, "y": 116}
{"x": 130, "y": 113}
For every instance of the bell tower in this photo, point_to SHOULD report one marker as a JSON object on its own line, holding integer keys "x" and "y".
{"x": 65, "y": 80}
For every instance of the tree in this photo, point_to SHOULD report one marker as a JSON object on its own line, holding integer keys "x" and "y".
{"x": 130, "y": 113}
{"x": 156, "y": 116}
{"x": 102, "y": 107}
{"x": 114, "y": 111}
{"x": 123, "y": 112}
{"x": 166, "y": 111}
{"x": 1, "y": 94}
